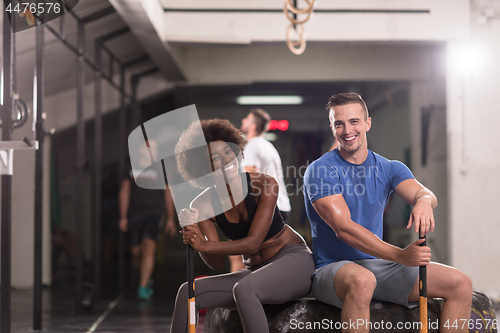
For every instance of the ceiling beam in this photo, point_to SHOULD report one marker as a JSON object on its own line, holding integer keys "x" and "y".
{"x": 138, "y": 15}
{"x": 98, "y": 15}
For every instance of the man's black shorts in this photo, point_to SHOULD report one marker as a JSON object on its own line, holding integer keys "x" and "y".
{"x": 147, "y": 227}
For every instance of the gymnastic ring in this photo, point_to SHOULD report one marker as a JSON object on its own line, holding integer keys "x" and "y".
{"x": 292, "y": 45}
{"x": 24, "y": 113}
{"x": 294, "y": 10}
{"x": 294, "y": 21}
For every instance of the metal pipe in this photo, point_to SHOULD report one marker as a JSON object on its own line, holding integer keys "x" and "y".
{"x": 39, "y": 130}
{"x": 80, "y": 161}
{"x": 121, "y": 171}
{"x": 98, "y": 15}
{"x": 145, "y": 73}
{"x": 136, "y": 61}
{"x": 100, "y": 41}
{"x": 112, "y": 35}
{"x": 111, "y": 58}
{"x": 87, "y": 61}
{"x": 14, "y": 64}
{"x": 61, "y": 26}
{"x": 68, "y": 10}
{"x": 135, "y": 121}
{"x": 97, "y": 174}
{"x": 111, "y": 55}
{"x": 6, "y": 228}
{"x": 136, "y": 109}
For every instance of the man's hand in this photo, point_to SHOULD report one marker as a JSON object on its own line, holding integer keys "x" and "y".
{"x": 191, "y": 234}
{"x": 123, "y": 224}
{"x": 422, "y": 217}
{"x": 415, "y": 255}
{"x": 170, "y": 227}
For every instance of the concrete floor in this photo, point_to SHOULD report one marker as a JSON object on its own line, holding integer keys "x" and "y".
{"x": 128, "y": 314}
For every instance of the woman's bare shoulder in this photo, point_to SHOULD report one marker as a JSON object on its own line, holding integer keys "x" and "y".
{"x": 261, "y": 179}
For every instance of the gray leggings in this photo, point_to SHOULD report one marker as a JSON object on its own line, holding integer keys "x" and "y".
{"x": 285, "y": 277}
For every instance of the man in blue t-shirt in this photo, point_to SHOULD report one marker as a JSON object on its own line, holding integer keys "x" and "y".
{"x": 346, "y": 191}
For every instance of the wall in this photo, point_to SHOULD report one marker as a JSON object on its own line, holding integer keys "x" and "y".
{"x": 474, "y": 158}
{"x": 23, "y": 192}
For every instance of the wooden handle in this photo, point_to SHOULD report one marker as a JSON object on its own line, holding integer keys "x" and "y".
{"x": 191, "y": 299}
{"x": 422, "y": 282}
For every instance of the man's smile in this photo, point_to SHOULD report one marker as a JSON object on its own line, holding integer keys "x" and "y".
{"x": 349, "y": 138}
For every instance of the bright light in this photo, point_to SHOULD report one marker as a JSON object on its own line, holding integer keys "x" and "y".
{"x": 280, "y": 125}
{"x": 466, "y": 58}
{"x": 269, "y": 100}
{"x": 270, "y": 137}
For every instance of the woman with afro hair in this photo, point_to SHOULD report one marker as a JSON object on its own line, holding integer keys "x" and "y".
{"x": 279, "y": 265}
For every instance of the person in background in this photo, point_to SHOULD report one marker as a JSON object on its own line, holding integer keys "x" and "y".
{"x": 262, "y": 157}
{"x": 140, "y": 215}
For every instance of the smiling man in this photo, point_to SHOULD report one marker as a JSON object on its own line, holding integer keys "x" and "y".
{"x": 346, "y": 191}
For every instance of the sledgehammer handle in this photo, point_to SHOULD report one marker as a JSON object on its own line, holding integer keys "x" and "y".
{"x": 191, "y": 300}
{"x": 422, "y": 282}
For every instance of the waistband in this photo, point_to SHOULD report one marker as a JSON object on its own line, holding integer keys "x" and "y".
{"x": 295, "y": 248}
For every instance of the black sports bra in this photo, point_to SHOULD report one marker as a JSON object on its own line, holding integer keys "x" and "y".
{"x": 239, "y": 230}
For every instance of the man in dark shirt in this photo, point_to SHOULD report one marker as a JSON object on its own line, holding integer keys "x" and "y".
{"x": 140, "y": 213}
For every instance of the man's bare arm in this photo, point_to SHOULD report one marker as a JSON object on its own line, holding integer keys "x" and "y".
{"x": 424, "y": 202}
{"x": 335, "y": 212}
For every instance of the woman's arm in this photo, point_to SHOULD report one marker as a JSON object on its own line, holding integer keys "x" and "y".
{"x": 265, "y": 187}
{"x": 194, "y": 235}
{"x": 205, "y": 229}
{"x": 214, "y": 261}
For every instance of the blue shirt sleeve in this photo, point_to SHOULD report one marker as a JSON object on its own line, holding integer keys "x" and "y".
{"x": 321, "y": 180}
{"x": 399, "y": 173}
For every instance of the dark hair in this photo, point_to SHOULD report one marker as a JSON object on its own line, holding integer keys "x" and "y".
{"x": 262, "y": 119}
{"x": 346, "y": 98}
{"x": 192, "y": 162}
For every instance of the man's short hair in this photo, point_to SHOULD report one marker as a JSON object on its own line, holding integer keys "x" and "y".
{"x": 261, "y": 120}
{"x": 346, "y": 98}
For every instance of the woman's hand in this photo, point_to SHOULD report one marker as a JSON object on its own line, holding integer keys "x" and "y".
{"x": 192, "y": 235}
{"x": 188, "y": 216}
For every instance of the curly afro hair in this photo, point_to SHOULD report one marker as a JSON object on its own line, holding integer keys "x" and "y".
{"x": 194, "y": 163}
